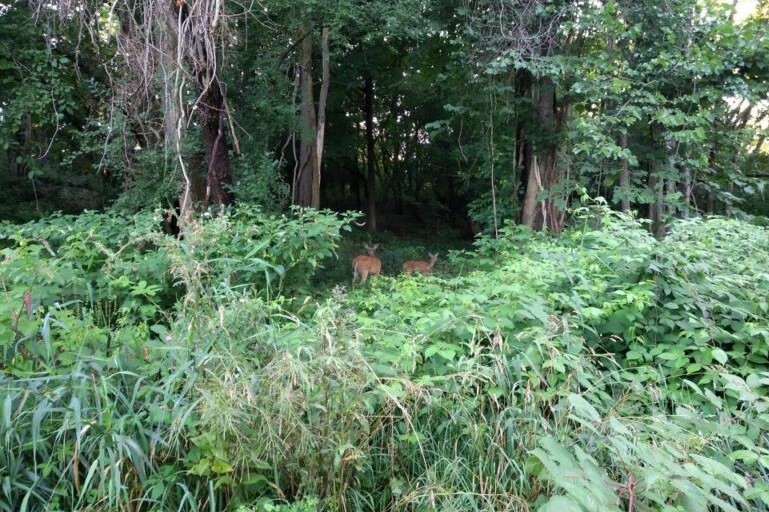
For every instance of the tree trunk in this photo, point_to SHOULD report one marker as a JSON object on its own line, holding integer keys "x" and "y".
{"x": 624, "y": 177}
{"x": 710, "y": 202}
{"x": 211, "y": 103}
{"x": 368, "y": 110}
{"x": 172, "y": 100}
{"x": 321, "y": 118}
{"x": 523, "y": 148}
{"x": 398, "y": 175}
{"x": 657, "y": 216}
{"x": 657, "y": 208}
{"x": 656, "y": 185}
{"x": 356, "y": 180}
{"x": 211, "y": 108}
{"x": 544, "y": 174}
{"x": 671, "y": 183}
{"x": 528, "y": 213}
{"x": 651, "y": 183}
{"x": 308, "y": 174}
{"x": 308, "y": 157}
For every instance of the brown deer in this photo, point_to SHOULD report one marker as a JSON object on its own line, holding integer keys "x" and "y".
{"x": 366, "y": 265}
{"x": 423, "y": 267}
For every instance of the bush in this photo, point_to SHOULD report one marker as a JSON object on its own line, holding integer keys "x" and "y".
{"x": 116, "y": 277}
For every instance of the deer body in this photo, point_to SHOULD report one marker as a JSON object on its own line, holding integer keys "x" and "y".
{"x": 366, "y": 265}
{"x": 423, "y": 267}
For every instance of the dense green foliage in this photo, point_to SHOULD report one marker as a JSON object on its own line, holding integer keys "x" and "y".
{"x": 658, "y": 106}
{"x": 593, "y": 371}
{"x": 178, "y": 330}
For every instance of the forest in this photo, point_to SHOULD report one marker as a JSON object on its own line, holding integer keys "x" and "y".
{"x": 384, "y": 255}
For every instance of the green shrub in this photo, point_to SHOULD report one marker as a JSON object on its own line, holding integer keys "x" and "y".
{"x": 274, "y": 254}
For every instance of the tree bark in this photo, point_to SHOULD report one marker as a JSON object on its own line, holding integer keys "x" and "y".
{"x": 656, "y": 185}
{"x": 528, "y": 213}
{"x": 368, "y": 111}
{"x": 172, "y": 101}
{"x": 356, "y": 180}
{"x": 544, "y": 174}
{"x": 211, "y": 108}
{"x": 651, "y": 183}
{"x": 308, "y": 157}
{"x": 321, "y": 118}
{"x": 210, "y": 104}
{"x": 670, "y": 185}
{"x": 523, "y": 148}
{"x": 710, "y": 201}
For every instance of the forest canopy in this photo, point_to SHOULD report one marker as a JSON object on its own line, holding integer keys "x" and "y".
{"x": 470, "y": 113}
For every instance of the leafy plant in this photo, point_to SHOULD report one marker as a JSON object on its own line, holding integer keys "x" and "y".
{"x": 569, "y": 373}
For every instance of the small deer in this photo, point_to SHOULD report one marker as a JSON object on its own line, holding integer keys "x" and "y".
{"x": 366, "y": 265}
{"x": 423, "y": 267}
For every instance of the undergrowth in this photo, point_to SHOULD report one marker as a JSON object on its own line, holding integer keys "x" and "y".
{"x": 602, "y": 370}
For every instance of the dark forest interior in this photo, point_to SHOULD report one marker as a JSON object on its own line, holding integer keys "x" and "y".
{"x": 418, "y": 114}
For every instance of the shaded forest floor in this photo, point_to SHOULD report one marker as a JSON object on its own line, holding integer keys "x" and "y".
{"x": 393, "y": 251}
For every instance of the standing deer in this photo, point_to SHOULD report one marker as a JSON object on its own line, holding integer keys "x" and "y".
{"x": 423, "y": 267}
{"x": 366, "y": 265}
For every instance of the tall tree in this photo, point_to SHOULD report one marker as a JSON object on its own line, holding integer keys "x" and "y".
{"x": 368, "y": 112}
{"x": 196, "y": 28}
{"x": 305, "y": 175}
{"x": 527, "y": 37}
{"x": 169, "y": 50}
{"x": 313, "y": 126}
